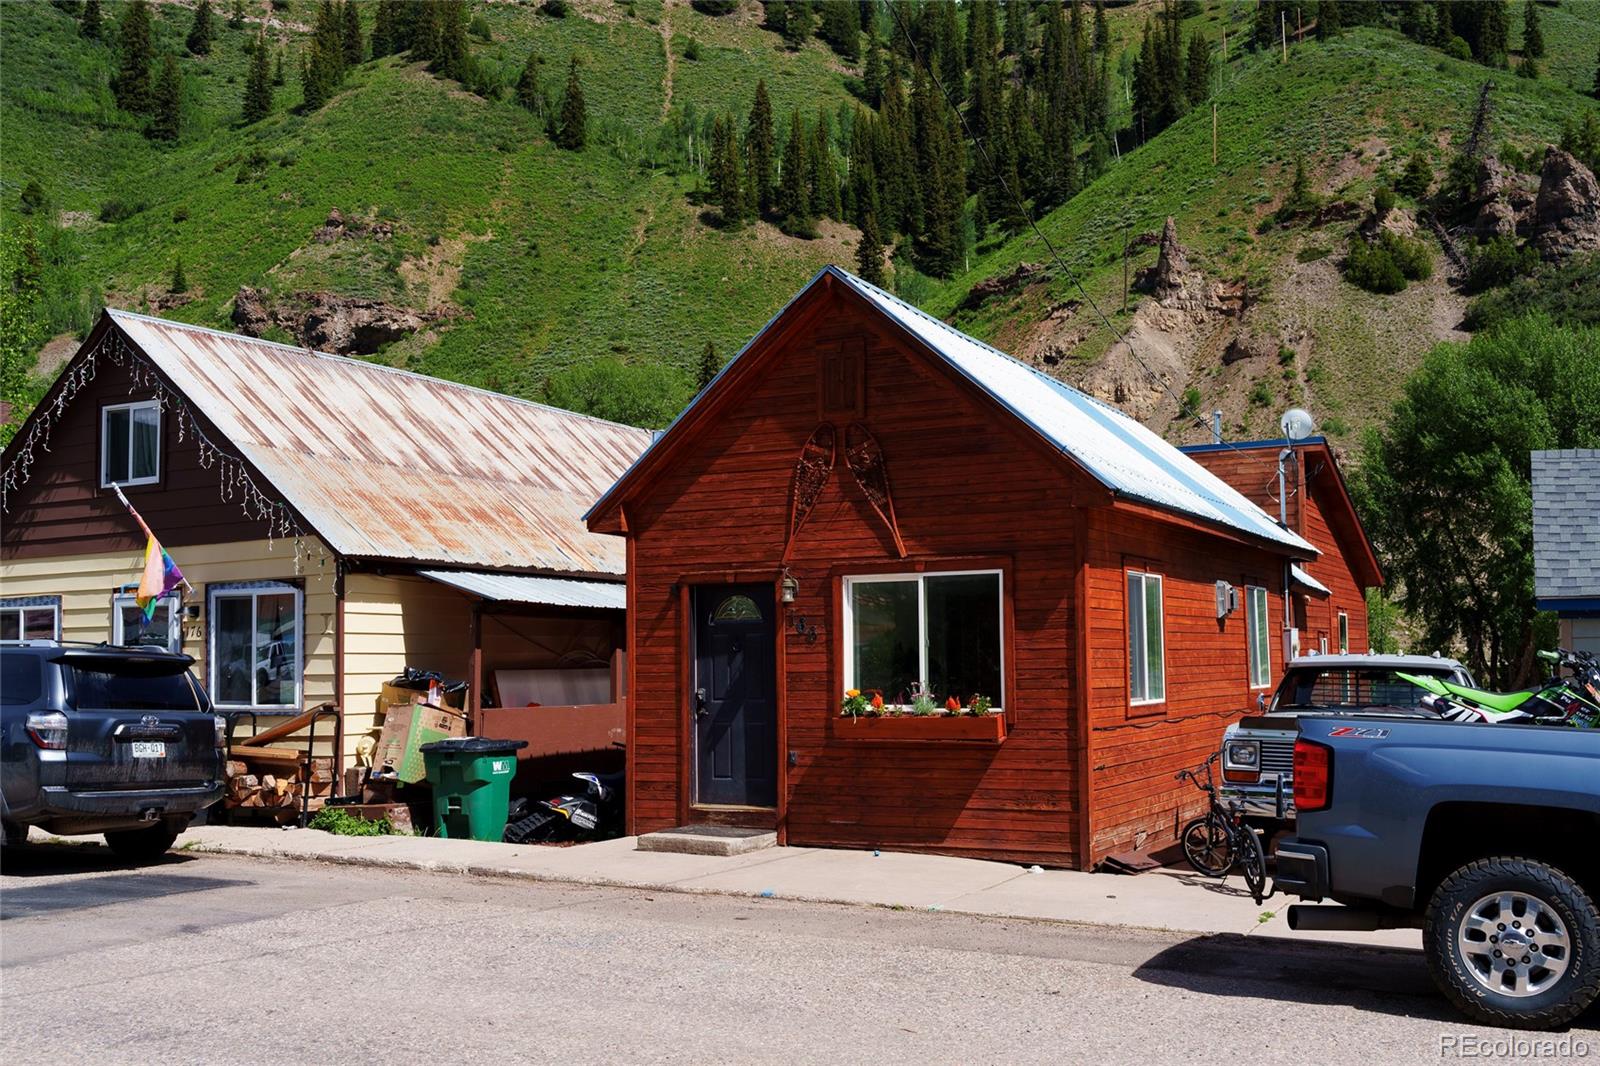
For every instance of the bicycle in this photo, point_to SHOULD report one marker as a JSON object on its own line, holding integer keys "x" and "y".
{"x": 1219, "y": 840}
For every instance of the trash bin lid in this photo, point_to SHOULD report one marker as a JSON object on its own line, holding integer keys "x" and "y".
{"x": 474, "y": 745}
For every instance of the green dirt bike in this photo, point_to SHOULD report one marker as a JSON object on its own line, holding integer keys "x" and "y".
{"x": 1573, "y": 700}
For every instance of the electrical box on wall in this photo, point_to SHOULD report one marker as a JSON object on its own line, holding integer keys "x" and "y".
{"x": 1291, "y": 644}
{"x": 1227, "y": 599}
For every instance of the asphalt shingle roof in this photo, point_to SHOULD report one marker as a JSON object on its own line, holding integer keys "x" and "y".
{"x": 1566, "y": 523}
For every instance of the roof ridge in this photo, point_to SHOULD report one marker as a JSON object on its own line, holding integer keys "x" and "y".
{"x": 117, "y": 313}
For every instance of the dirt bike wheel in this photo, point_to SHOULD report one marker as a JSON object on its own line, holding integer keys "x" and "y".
{"x": 540, "y": 827}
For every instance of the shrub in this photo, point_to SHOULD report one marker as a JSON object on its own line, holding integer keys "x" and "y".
{"x": 119, "y": 210}
{"x": 639, "y": 394}
{"x": 180, "y": 213}
{"x": 1417, "y": 177}
{"x": 1191, "y": 400}
{"x": 1370, "y": 266}
{"x": 715, "y": 7}
{"x": 479, "y": 28}
{"x": 556, "y": 9}
{"x": 1497, "y": 263}
{"x": 1261, "y": 395}
{"x": 1382, "y": 200}
{"x": 342, "y": 823}
{"x": 1569, "y": 294}
{"x": 1285, "y": 355}
{"x": 1458, "y": 48}
{"x": 1410, "y": 255}
{"x": 691, "y": 51}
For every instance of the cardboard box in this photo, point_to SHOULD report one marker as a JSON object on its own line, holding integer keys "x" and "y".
{"x": 397, "y": 696}
{"x": 405, "y": 729}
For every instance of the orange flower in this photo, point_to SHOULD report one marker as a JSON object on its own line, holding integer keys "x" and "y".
{"x": 952, "y": 704}
{"x": 877, "y": 700}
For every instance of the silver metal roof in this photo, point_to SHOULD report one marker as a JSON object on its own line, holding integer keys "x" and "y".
{"x": 1123, "y": 455}
{"x": 1374, "y": 660}
{"x": 549, "y": 591}
{"x": 1297, "y": 575}
{"x": 387, "y": 464}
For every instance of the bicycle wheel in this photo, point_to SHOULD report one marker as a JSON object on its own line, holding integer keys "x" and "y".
{"x": 1208, "y": 845}
{"x": 1253, "y": 863}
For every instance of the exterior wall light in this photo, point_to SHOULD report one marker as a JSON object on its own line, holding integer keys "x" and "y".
{"x": 788, "y": 588}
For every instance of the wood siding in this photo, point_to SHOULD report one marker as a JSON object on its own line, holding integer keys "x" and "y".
{"x": 86, "y": 583}
{"x": 392, "y": 622}
{"x": 62, "y": 510}
{"x": 1135, "y": 750}
{"x": 723, "y": 510}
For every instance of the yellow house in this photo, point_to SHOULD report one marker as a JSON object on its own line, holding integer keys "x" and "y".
{"x": 336, "y": 520}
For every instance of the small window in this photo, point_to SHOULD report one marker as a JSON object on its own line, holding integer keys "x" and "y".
{"x": 1147, "y": 653}
{"x": 130, "y": 444}
{"x": 1344, "y": 633}
{"x": 736, "y": 608}
{"x": 31, "y": 618}
{"x": 1258, "y": 636}
{"x": 937, "y": 633}
{"x": 255, "y": 645}
{"x": 164, "y": 629}
{"x": 21, "y": 679}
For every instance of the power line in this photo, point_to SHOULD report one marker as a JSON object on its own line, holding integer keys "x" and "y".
{"x": 1049, "y": 246}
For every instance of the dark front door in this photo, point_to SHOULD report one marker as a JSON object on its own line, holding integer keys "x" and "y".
{"x": 734, "y": 703}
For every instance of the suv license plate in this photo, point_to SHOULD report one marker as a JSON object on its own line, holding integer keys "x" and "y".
{"x": 149, "y": 749}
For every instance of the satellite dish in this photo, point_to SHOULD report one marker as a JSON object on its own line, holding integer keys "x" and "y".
{"x": 1297, "y": 423}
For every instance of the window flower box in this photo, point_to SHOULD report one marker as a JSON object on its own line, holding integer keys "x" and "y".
{"x": 923, "y": 728}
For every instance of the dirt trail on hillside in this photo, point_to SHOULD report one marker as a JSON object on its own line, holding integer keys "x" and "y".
{"x": 666, "y": 48}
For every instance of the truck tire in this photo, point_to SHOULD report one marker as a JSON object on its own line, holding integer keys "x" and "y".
{"x": 1514, "y": 942}
{"x": 141, "y": 845}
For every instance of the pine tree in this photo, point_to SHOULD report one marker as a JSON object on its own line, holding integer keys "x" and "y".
{"x": 759, "y": 147}
{"x": 236, "y": 16}
{"x": 167, "y": 103}
{"x": 841, "y": 28}
{"x": 199, "y": 40}
{"x": 425, "y": 44}
{"x": 1102, "y": 32}
{"x": 90, "y": 24}
{"x": 725, "y": 184}
{"x": 131, "y": 84}
{"x": 573, "y": 132}
{"x": 277, "y": 68}
{"x": 793, "y": 204}
{"x": 869, "y": 252}
{"x": 872, "y": 75}
{"x": 1330, "y": 20}
{"x": 1197, "y": 69}
{"x": 1597, "y": 77}
{"x": 257, "y": 85}
{"x": 1415, "y": 180}
{"x": 529, "y": 95}
{"x": 322, "y": 69}
{"x": 949, "y": 51}
{"x": 1016, "y": 32}
{"x": 798, "y": 23}
{"x": 350, "y": 25}
{"x": 937, "y": 242}
{"x": 179, "y": 282}
{"x": 453, "y": 58}
{"x": 710, "y": 366}
{"x": 1266, "y": 24}
{"x": 383, "y": 39}
{"x": 1532, "y": 35}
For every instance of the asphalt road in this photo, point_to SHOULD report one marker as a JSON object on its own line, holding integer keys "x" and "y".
{"x": 212, "y": 959}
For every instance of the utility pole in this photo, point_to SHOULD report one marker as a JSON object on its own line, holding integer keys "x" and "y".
{"x": 1124, "y": 266}
{"x": 1213, "y": 133}
{"x": 1283, "y": 30}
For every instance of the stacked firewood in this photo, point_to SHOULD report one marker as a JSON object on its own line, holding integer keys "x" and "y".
{"x": 257, "y": 782}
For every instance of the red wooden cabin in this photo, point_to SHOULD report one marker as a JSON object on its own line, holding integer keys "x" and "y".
{"x": 1328, "y": 600}
{"x": 867, "y": 499}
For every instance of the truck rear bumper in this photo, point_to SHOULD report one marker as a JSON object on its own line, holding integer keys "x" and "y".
{"x": 1302, "y": 870}
{"x": 1270, "y": 801}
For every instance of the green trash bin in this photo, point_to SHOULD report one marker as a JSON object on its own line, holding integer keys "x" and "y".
{"x": 471, "y": 779}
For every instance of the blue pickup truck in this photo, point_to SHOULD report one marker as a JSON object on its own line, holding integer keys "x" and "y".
{"x": 1483, "y": 836}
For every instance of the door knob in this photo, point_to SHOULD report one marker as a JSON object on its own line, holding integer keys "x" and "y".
{"x": 700, "y": 703}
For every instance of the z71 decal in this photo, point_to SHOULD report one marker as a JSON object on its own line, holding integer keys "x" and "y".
{"x": 1360, "y": 732}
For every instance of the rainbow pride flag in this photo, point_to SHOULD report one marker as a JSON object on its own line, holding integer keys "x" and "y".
{"x": 161, "y": 576}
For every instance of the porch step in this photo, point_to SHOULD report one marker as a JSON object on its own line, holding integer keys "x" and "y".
{"x": 708, "y": 840}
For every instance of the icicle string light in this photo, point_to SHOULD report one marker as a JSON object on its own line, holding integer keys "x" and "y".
{"x": 233, "y": 473}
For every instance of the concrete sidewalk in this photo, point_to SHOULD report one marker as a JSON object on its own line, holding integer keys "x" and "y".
{"x": 1167, "y": 899}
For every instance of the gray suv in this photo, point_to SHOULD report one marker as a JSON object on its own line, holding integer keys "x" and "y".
{"x": 1258, "y": 752}
{"x": 102, "y": 739}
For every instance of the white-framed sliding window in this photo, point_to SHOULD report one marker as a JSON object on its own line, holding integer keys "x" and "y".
{"x": 942, "y": 631}
{"x": 163, "y": 630}
{"x": 1344, "y": 633}
{"x": 30, "y": 618}
{"x": 1147, "y": 639}
{"x": 255, "y": 645}
{"x": 130, "y": 443}
{"x": 1258, "y": 636}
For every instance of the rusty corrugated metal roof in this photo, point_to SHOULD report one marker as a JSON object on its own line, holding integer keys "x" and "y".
{"x": 388, "y": 464}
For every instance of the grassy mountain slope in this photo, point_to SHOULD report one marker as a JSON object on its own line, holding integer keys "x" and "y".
{"x": 538, "y": 259}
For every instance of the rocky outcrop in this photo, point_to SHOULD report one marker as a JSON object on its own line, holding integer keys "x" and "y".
{"x": 327, "y": 322}
{"x": 989, "y": 288}
{"x": 1178, "y": 286}
{"x": 338, "y": 228}
{"x": 1566, "y": 213}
